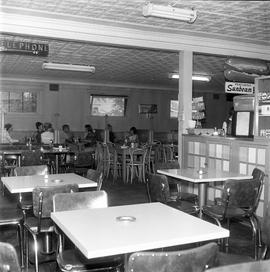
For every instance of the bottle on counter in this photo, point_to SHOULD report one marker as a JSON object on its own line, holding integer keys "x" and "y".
{"x": 224, "y": 127}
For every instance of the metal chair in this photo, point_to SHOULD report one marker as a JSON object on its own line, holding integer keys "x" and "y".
{"x": 136, "y": 164}
{"x": 71, "y": 259}
{"x": 191, "y": 260}
{"x": 181, "y": 195}
{"x": 83, "y": 161}
{"x": 239, "y": 200}
{"x": 41, "y": 223}
{"x": 12, "y": 217}
{"x": 96, "y": 176}
{"x": 8, "y": 258}
{"x": 158, "y": 190}
{"x": 31, "y": 157}
{"x": 25, "y": 200}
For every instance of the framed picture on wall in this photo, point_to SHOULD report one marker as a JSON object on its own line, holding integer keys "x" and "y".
{"x": 147, "y": 108}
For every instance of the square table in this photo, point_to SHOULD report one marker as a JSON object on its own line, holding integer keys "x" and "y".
{"x": 25, "y": 184}
{"x": 99, "y": 232}
{"x": 202, "y": 178}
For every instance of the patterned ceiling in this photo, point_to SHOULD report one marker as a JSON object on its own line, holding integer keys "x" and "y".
{"x": 245, "y": 21}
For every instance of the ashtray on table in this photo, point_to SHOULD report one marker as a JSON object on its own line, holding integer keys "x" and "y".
{"x": 57, "y": 180}
{"x": 126, "y": 218}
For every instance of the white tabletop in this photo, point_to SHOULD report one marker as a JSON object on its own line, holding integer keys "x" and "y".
{"x": 209, "y": 175}
{"x": 24, "y": 184}
{"x": 97, "y": 233}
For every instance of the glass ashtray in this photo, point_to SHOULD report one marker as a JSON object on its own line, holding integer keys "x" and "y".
{"x": 57, "y": 180}
{"x": 201, "y": 171}
{"x": 126, "y": 218}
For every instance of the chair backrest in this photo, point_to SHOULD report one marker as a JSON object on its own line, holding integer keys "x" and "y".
{"x": 31, "y": 170}
{"x": 244, "y": 193}
{"x": 80, "y": 200}
{"x": 43, "y": 198}
{"x": 266, "y": 227}
{"x": 168, "y": 151}
{"x": 191, "y": 260}
{"x": 96, "y": 176}
{"x": 167, "y": 165}
{"x": 158, "y": 187}
{"x": 31, "y": 157}
{"x": 84, "y": 158}
{"x": 8, "y": 258}
{"x": 136, "y": 153}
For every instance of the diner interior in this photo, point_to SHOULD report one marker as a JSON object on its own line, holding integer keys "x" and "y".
{"x": 134, "y": 135}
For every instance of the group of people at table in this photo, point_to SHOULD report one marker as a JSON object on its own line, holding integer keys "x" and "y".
{"x": 44, "y": 134}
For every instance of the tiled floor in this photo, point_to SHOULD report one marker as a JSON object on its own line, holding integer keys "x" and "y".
{"x": 124, "y": 194}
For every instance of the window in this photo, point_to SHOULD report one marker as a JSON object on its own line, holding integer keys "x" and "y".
{"x": 101, "y": 105}
{"x": 18, "y": 101}
{"x": 174, "y": 109}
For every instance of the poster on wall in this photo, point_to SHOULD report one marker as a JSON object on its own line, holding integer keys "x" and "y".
{"x": 239, "y": 88}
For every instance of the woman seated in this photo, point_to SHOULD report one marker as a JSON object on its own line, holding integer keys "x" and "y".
{"x": 133, "y": 139}
{"x": 90, "y": 138}
{"x": 5, "y": 138}
{"x": 37, "y": 134}
{"x": 67, "y": 134}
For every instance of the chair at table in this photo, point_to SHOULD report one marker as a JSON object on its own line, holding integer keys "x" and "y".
{"x": 72, "y": 259}
{"x": 9, "y": 163}
{"x": 257, "y": 266}
{"x": 187, "y": 196}
{"x": 83, "y": 161}
{"x": 96, "y": 176}
{"x": 239, "y": 200}
{"x": 168, "y": 153}
{"x": 41, "y": 222}
{"x": 10, "y": 217}
{"x": 8, "y": 258}
{"x": 25, "y": 200}
{"x": 190, "y": 260}
{"x": 136, "y": 165}
{"x": 159, "y": 191}
{"x": 31, "y": 157}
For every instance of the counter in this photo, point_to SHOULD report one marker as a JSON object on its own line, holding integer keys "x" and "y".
{"x": 240, "y": 155}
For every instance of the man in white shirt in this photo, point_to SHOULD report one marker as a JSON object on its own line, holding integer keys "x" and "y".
{"x": 47, "y": 136}
{"x": 5, "y": 136}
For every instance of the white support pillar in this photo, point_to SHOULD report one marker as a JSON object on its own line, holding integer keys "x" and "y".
{"x": 184, "y": 96}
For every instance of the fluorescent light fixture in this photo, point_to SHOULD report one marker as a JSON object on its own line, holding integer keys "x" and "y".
{"x": 68, "y": 67}
{"x": 205, "y": 78}
{"x": 170, "y": 12}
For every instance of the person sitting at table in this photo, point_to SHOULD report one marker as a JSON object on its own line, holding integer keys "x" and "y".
{"x": 111, "y": 134}
{"x": 47, "y": 136}
{"x": 90, "y": 138}
{"x": 68, "y": 134}
{"x": 37, "y": 134}
{"x": 133, "y": 138}
{"x": 5, "y": 137}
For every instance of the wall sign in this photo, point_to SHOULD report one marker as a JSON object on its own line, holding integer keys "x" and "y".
{"x": 147, "y": 108}
{"x": 23, "y": 47}
{"x": 239, "y": 88}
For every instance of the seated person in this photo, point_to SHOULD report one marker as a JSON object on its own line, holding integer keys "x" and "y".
{"x": 5, "y": 138}
{"x": 37, "y": 134}
{"x": 133, "y": 137}
{"x": 47, "y": 136}
{"x": 111, "y": 134}
{"x": 90, "y": 138}
{"x": 67, "y": 135}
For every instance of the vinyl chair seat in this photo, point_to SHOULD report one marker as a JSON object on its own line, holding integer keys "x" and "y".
{"x": 31, "y": 223}
{"x": 217, "y": 211}
{"x": 184, "y": 206}
{"x": 8, "y": 258}
{"x": 9, "y": 216}
{"x": 228, "y": 259}
{"x": 188, "y": 197}
{"x": 73, "y": 261}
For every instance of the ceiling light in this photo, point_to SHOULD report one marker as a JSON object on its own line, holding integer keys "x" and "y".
{"x": 170, "y": 12}
{"x": 205, "y": 78}
{"x": 68, "y": 67}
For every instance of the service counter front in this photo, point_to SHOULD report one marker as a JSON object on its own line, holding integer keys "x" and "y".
{"x": 227, "y": 154}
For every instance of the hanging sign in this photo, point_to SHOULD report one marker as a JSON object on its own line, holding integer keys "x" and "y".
{"x": 239, "y": 88}
{"x": 23, "y": 47}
